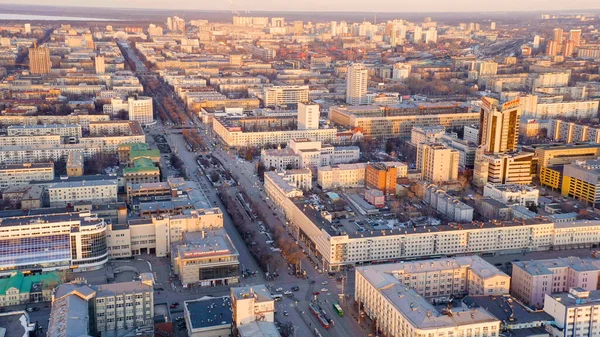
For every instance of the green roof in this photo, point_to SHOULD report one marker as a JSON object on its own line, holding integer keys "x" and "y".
{"x": 143, "y": 162}
{"x": 24, "y": 283}
{"x": 136, "y": 146}
{"x": 133, "y": 154}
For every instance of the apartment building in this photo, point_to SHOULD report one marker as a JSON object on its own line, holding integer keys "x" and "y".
{"x": 115, "y": 128}
{"x": 357, "y": 77}
{"x": 437, "y": 162}
{"x": 401, "y": 310}
{"x": 206, "y": 258}
{"x": 233, "y": 136}
{"x": 571, "y": 132}
{"x": 29, "y": 140}
{"x": 577, "y": 109}
{"x": 156, "y": 234}
{"x": 72, "y": 192}
{"x": 58, "y": 241}
{"x": 252, "y": 303}
{"x": 76, "y": 119}
{"x": 575, "y": 312}
{"x": 70, "y": 131}
{"x": 284, "y": 95}
{"x": 381, "y": 177}
{"x": 139, "y": 108}
{"x": 398, "y": 120}
{"x": 23, "y": 174}
{"x": 446, "y": 205}
{"x": 102, "y": 308}
{"x": 533, "y": 280}
{"x": 512, "y": 193}
{"x": 342, "y": 175}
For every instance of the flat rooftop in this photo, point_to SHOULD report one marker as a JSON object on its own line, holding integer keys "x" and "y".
{"x": 544, "y": 267}
{"x": 209, "y": 312}
{"x": 84, "y": 218}
{"x": 259, "y": 291}
{"x": 506, "y": 308}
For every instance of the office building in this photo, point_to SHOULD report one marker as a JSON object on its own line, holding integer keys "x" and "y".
{"x": 424, "y": 134}
{"x": 308, "y": 116}
{"x": 97, "y": 192}
{"x": 252, "y": 303}
{"x": 499, "y": 126}
{"x": 581, "y": 181}
{"x": 342, "y": 175}
{"x": 284, "y": 95}
{"x": 437, "y": 162}
{"x": 208, "y": 317}
{"x": 357, "y": 77}
{"x": 512, "y": 194}
{"x": 39, "y": 60}
{"x": 387, "y": 294}
{"x": 304, "y": 153}
{"x": 140, "y": 109}
{"x": 575, "y": 312}
{"x": 502, "y": 168}
{"x": 381, "y": 177}
{"x": 87, "y": 310}
{"x": 75, "y": 241}
{"x": 206, "y": 258}
{"x": 533, "y": 280}
{"x": 399, "y": 119}
{"x": 23, "y": 174}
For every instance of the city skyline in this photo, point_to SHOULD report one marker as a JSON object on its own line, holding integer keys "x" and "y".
{"x": 429, "y": 6}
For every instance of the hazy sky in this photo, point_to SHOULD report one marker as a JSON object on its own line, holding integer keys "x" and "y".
{"x": 335, "y": 5}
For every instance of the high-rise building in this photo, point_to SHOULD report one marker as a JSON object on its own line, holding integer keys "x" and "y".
{"x": 27, "y": 28}
{"x": 308, "y": 116}
{"x": 100, "y": 65}
{"x": 417, "y": 34}
{"x": 140, "y": 109}
{"x": 333, "y": 27}
{"x": 278, "y": 22}
{"x": 536, "y": 42}
{"x": 558, "y": 35}
{"x": 39, "y": 60}
{"x": 381, "y": 177}
{"x": 431, "y": 35}
{"x": 575, "y": 37}
{"x": 499, "y": 126}
{"x": 568, "y": 49}
{"x": 356, "y": 83}
{"x": 492, "y": 25}
{"x": 298, "y": 27}
{"x": 552, "y": 48}
{"x": 438, "y": 163}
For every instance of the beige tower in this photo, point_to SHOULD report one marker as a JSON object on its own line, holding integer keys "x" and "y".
{"x": 39, "y": 60}
{"x": 499, "y": 125}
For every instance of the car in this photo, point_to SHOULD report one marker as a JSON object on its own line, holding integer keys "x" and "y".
{"x": 279, "y": 289}
{"x": 316, "y": 293}
{"x": 324, "y": 282}
{"x": 295, "y": 288}
{"x": 29, "y": 309}
{"x": 285, "y": 313}
{"x": 159, "y": 289}
{"x": 179, "y": 319}
{"x": 324, "y": 290}
{"x": 311, "y": 282}
{"x": 287, "y": 292}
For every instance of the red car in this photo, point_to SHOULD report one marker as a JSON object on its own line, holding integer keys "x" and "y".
{"x": 316, "y": 293}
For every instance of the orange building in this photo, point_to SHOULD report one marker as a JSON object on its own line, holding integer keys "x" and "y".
{"x": 380, "y": 177}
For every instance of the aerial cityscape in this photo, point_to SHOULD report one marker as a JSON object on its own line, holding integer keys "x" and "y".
{"x": 274, "y": 169}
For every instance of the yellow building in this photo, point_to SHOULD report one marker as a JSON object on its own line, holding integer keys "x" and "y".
{"x": 381, "y": 177}
{"x": 562, "y": 154}
{"x": 581, "y": 181}
{"x": 551, "y": 177}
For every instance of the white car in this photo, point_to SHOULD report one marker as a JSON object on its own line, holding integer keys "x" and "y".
{"x": 324, "y": 282}
{"x": 279, "y": 289}
{"x": 287, "y": 293}
{"x": 324, "y": 290}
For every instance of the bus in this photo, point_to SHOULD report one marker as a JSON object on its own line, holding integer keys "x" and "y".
{"x": 324, "y": 322}
{"x": 338, "y": 309}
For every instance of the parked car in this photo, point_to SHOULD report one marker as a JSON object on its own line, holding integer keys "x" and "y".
{"x": 279, "y": 289}
{"x": 295, "y": 288}
{"x": 324, "y": 282}
{"x": 324, "y": 290}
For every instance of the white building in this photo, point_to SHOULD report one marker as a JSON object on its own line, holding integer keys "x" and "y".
{"x": 471, "y": 134}
{"x": 577, "y": 109}
{"x": 308, "y": 116}
{"x": 400, "y": 310}
{"x": 23, "y": 174}
{"x": 252, "y": 303}
{"x": 140, "y": 109}
{"x": 423, "y": 134}
{"x": 575, "y": 313}
{"x": 303, "y": 153}
{"x": 342, "y": 175}
{"x": 447, "y": 205}
{"x": 94, "y": 191}
{"x": 357, "y": 78}
{"x": 284, "y": 95}
{"x": 437, "y": 162}
{"x": 401, "y": 71}
{"x": 71, "y": 131}
{"x": 523, "y": 195}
